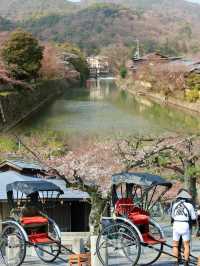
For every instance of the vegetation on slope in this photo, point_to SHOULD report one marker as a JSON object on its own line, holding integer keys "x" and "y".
{"x": 169, "y": 26}
{"x": 100, "y": 25}
{"x": 20, "y": 9}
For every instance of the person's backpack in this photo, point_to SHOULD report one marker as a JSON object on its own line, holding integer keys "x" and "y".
{"x": 181, "y": 206}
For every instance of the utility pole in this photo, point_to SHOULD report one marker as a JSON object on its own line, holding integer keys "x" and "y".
{"x": 137, "y": 52}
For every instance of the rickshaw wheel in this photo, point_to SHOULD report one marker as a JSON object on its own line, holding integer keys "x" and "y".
{"x": 53, "y": 247}
{"x": 118, "y": 244}
{"x": 13, "y": 245}
{"x": 152, "y": 256}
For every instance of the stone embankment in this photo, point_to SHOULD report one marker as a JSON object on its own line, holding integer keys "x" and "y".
{"x": 16, "y": 105}
{"x": 139, "y": 88}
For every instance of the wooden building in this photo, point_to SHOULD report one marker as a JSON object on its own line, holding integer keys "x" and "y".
{"x": 72, "y": 214}
{"x": 23, "y": 167}
{"x": 152, "y": 59}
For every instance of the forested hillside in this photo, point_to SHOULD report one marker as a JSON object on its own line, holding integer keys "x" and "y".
{"x": 170, "y": 26}
{"x": 20, "y": 9}
{"x": 100, "y": 25}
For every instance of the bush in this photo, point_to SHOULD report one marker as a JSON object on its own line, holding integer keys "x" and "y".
{"x": 193, "y": 81}
{"x": 123, "y": 72}
{"x": 22, "y": 55}
{"x": 7, "y": 144}
{"x": 192, "y": 95}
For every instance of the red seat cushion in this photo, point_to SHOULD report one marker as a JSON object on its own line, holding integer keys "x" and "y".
{"x": 124, "y": 206}
{"x": 138, "y": 218}
{"x": 41, "y": 238}
{"x": 34, "y": 220}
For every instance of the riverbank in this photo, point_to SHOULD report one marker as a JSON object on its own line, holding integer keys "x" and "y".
{"x": 17, "y": 105}
{"x": 139, "y": 88}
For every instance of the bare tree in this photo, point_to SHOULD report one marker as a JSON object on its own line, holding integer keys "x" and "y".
{"x": 174, "y": 155}
{"x": 97, "y": 198}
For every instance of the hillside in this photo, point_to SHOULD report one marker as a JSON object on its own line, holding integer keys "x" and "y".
{"x": 20, "y": 9}
{"x": 170, "y": 26}
{"x": 100, "y": 25}
{"x": 144, "y": 4}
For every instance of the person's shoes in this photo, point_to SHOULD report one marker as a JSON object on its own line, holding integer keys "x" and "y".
{"x": 180, "y": 261}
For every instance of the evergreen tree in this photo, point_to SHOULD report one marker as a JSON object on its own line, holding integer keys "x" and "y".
{"x": 22, "y": 55}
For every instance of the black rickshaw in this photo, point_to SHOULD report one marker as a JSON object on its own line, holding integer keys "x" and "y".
{"x": 28, "y": 225}
{"x": 130, "y": 231}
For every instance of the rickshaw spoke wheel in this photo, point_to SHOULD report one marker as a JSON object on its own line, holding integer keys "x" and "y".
{"x": 149, "y": 255}
{"x": 13, "y": 245}
{"x": 118, "y": 244}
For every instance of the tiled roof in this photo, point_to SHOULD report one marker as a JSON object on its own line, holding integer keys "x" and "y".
{"x": 12, "y": 176}
{"x": 21, "y": 164}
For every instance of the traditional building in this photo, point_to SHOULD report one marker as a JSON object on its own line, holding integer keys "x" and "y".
{"x": 23, "y": 167}
{"x": 98, "y": 65}
{"x": 152, "y": 58}
{"x": 72, "y": 214}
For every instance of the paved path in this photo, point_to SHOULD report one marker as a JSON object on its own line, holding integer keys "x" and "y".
{"x": 163, "y": 261}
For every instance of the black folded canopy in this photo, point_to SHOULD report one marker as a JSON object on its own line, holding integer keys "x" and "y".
{"x": 140, "y": 179}
{"x": 29, "y": 187}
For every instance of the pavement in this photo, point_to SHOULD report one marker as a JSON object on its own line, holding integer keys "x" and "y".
{"x": 32, "y": 260}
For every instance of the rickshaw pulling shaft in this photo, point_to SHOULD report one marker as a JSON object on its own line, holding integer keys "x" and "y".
{"x": 169, "y": 254}
{"x": 49, "y": 253}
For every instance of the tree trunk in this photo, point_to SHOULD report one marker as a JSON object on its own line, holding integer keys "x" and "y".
{"x": 190, "y": 185}
{"x": 97, "y": 207}
{"x": 193, "y": 188}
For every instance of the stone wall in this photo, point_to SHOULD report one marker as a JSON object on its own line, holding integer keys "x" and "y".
{"x": 17, "y": 105}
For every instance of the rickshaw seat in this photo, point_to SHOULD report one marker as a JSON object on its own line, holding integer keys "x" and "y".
{"x": 40, "y": 238}
{"x": 138, "y": 218}
{"x": 124, "y": 206}
{"x": 36, "y": 220}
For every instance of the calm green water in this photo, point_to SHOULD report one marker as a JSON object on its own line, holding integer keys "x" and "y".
{"x": 103, "y": 110}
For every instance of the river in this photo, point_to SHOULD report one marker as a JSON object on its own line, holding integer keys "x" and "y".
{"x": 103, "y": 110}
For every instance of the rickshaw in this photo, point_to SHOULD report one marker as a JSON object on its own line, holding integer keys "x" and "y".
{"x": 28, "y": 225}
{"x": 129, "y": 232}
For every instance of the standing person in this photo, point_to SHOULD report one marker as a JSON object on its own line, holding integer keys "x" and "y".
{"x": 198, "y": 221}
{"x": 183, "y": 216}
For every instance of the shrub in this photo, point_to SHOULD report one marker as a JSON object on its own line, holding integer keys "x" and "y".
{"x": 192, "y": 95}
{"x": 123, "y": 72}
{"x": 7, "y": 144}
{"x": 193, "y": 81}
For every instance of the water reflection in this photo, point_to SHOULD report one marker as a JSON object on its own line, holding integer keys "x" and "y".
{"x": 102, "y": 109}
{"x": 97, "y": 91}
